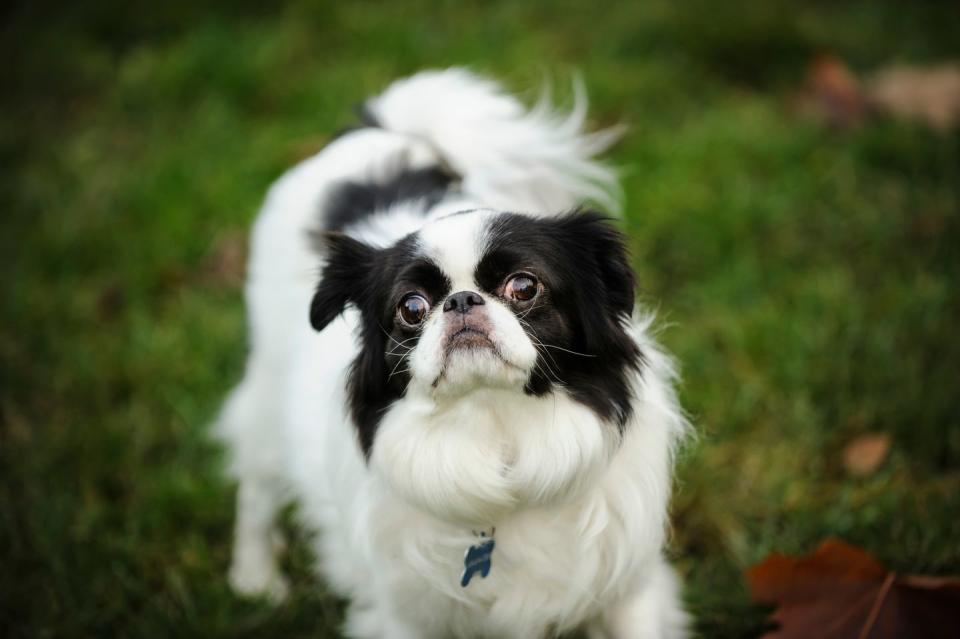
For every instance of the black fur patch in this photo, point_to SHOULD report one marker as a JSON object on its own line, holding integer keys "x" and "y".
{"x": 578, "y": 323}
{"x": 374, "y": 281}
{"x": 351, "y": 201}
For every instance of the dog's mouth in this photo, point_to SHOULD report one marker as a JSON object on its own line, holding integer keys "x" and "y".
{"x": 469, "y": 338}
{"x": 474, "y": 344}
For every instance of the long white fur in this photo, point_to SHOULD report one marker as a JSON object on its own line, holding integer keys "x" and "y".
{"x": 580, "y": 513}
{"x": 511, "y": 158}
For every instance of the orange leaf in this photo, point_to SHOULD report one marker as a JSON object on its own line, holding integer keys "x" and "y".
{"x": 863, "y": 455}
{"x": 835, "y": 91}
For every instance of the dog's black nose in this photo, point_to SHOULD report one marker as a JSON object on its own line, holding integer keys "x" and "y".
{"x": 463, "y": 302}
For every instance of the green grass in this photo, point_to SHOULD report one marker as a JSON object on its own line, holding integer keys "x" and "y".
{"x": 809, "y": 280}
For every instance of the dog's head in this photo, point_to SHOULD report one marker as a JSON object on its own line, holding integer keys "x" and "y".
{"x": 485, "y": 301}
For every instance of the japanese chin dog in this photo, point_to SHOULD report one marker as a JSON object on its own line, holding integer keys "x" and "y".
{"x": 449, "y": 377}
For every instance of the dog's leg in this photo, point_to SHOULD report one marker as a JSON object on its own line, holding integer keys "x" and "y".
{"x": 248, "y": 425}
{"x": 655, "y": 611}
{"x": 254, "y": 569}
{"x": 367, "y": 619}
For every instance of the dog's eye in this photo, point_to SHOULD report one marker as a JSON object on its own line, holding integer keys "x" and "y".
{"x": 412, "y": 309}
{"x": 522, "y": 287}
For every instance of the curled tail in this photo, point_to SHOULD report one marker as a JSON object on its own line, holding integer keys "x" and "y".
{"x": 509, "y": 156}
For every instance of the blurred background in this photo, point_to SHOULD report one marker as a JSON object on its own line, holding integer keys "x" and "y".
{"x": 792, "y": 194}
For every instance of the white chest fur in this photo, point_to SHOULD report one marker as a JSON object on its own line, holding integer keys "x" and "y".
{"x": 553, "y": 566}
{"x": 579, "y": 511}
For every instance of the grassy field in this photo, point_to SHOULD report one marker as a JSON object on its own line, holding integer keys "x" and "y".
{"x": 807, "y": 279}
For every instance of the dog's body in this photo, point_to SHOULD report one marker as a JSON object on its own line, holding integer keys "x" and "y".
{"x": 530, "y": 408}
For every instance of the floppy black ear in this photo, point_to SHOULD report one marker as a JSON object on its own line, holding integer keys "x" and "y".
{"x": 345, "y": 277}
{"x": 601, "y": 303}
{"x": 602, "y": 257}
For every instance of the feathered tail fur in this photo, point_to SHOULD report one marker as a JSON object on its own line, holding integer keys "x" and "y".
{"x": 504, "y": 152}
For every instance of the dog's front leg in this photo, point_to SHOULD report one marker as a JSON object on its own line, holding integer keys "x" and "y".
{"x": 654, "y": 611}
{"x": 254, "y": 570}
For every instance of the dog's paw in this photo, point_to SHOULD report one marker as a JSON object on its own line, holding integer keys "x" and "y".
{"x": 257, "y": 581}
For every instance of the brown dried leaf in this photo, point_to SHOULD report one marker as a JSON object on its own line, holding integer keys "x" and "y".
{"x": 927, "y": 94}
{"x": 841, "y": 591}
{"x": 835, "y": 92}
{"x": 864, "y": 455}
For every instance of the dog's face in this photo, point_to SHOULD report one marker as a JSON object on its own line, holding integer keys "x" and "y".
{"x": 485, "y": 299}
{"x": 453, "y": 331}
{"x": 482, "y": 300}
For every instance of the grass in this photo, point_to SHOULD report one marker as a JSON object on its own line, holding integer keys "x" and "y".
{"x": 809, "y": 279}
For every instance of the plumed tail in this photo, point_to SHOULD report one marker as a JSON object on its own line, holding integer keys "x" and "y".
{"x": 509, "y": 157}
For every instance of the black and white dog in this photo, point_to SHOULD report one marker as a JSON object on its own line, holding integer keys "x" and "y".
{"x": 474, "y": 420}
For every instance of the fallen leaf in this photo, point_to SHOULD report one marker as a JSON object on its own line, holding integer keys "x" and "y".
{"x": 841, "y": 591}
{"x": 835, "y": 92}
{"x": 864, "y": 455}
{"x": 927, "y": 94}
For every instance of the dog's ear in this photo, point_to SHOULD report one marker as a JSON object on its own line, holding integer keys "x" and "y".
{"x": 602, "y": 258}
{"x": 603, "y": 298}
{"x": 346, "y": 276}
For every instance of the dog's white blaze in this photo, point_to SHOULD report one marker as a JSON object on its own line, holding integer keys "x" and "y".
{"x": 455, "y": 243}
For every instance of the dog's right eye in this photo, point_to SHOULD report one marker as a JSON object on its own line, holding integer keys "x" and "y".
{"x": 412, "y": 309}
{"x": 522, "y": 287}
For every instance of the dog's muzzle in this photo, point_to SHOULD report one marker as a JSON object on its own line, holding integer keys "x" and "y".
{"x": 467, "y": 325}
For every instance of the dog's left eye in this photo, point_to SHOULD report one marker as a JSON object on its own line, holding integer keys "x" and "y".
{"x": 412, "y": 309}
{"x": 522, "y": 287}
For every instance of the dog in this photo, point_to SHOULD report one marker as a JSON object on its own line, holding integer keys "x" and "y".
{"x": 448, "y": 376}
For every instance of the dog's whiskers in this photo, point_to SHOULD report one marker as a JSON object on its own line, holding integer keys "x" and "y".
{"x": 566, "y": 350}
{"x": 394, "y": 339}
{"x": 403, "y": 357}
{"x": 547, "y": 370}
{"x": 400, "y": 372}
{"x": 406, "y": 352}
{"x": 528, "y": 311}
{"x": 546, "y": 364}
